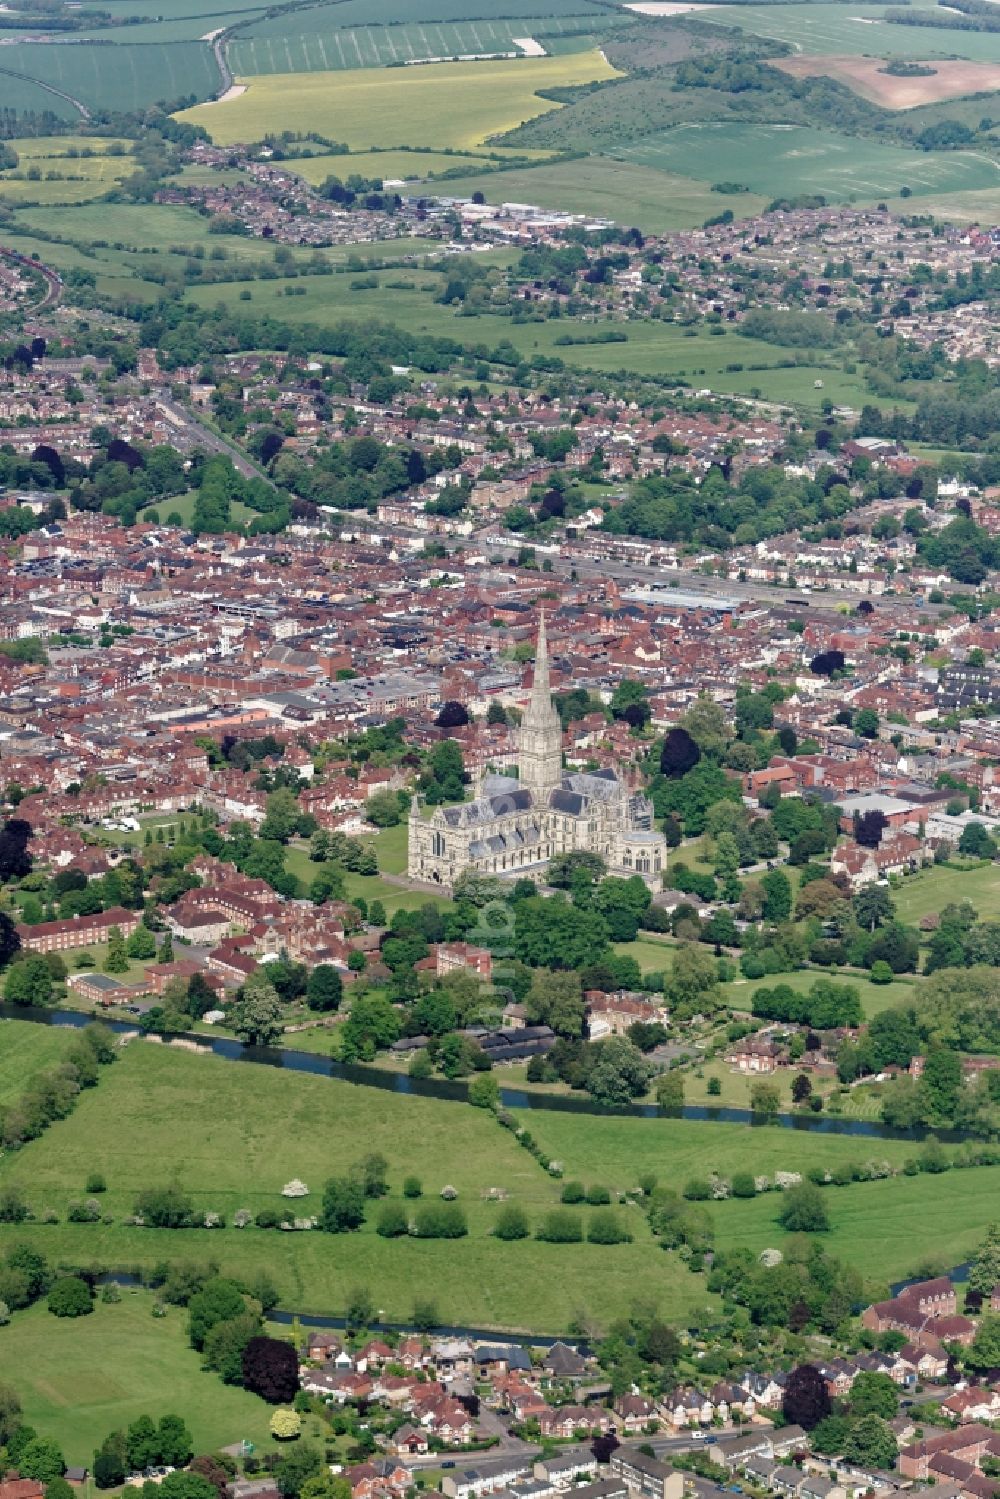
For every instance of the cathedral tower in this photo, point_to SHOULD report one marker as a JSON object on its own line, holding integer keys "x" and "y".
{"x": 539, "y": 742}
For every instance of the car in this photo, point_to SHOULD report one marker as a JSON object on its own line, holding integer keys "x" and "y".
{"x": 449, "y": 1464}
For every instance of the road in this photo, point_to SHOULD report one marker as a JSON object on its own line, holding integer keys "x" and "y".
{"x": 186, "y": 423}
{"x": 509, "y": 1446}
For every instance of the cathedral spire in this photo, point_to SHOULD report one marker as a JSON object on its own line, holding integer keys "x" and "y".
{"x": 541, "y": 694}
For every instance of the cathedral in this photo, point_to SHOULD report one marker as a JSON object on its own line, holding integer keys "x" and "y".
{"x": 516, "y": 824}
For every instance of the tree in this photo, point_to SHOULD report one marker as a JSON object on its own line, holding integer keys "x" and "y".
{"x": 874, "y": 1394}
{"x": 976, "y": 842}
{"x": 225, "y": 1343}
{"x": 70, "y": 1297}
{"x": 256, "y": 1015}
{"x": 983, "y": 1276}
{"x": 940, "y": 1085}
{"x": 873, "y": 906}
{"x": 200, "y": 996}
{"x": 15, "y": 861}
{"x": 116, "y": 958}
{"x": 777, "y": 895}
{"x": 10, "y": 1413}
{"x": 806, "y": 1400}
{"x": 984, "y": 1352}
{"x": 869, "y": 827}
{"x": 296, "y": 1467}
{"x": 111, "y": 1461}
{"x": 691, "y": 986}
{"x": 803, "y": 1210}
{"x": 871, "y": 1442}
{"x": 801, "y": 1088}
{"x": 680, "y": 753}
{"x": 670, "y": 1091}
{"x": 453, "y": 715}
{"x": 382, "y": 809}
{"x": 484, "y": 1091}
{"x": 554, "y": 934}
{"x": 866, "y": 723}
{"x": 620, "y": 1073}
{"x": 271, "y": 1370}
{"x": 41, "y": 1460}
{"x": 765, "y": 1099}
{"x": 706, "y": 723}
{"x": 343, "y": 1205}
{"x": 143, "y": 1447}
{"x": 219, "y": 1300}
{"x": 286, "y": 1425}
{"x": 325, "y": 989}
{"x": 556, "y": 1000}
{"x": 29, "y": 982}
{"x": 174, "y": 1441}
{"x": 141, "y": 944}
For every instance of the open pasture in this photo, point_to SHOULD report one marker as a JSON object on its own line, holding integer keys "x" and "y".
{"x": 784, "y": 160}
{"x": 75, "y": 179}
{"x": 654, "y": 201}
{"x": 860, "y": 30}
{"x": 384, "y": 46}
{"x": 26, "y": 1050}
{"x": 450, "y": 104}
{"x": 865, "y": 75}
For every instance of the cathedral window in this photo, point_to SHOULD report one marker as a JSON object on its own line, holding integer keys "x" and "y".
{"x": 437, "y": 845}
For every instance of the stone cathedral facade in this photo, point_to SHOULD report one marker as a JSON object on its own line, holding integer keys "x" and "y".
{"x": 515, "y": 825}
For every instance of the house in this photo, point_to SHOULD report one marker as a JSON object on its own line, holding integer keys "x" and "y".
{"x": 486, "y": 1478}
{"x": 634, "y": 1414}
{"x": 410, "y": 1441}
{"x": 737, "y": 1452}
{"x": 972, "y": 1404}
{"x": 383, "y": 1476}
{"x": 566, "y": 1468}
{"x": 563, "y": 1362}
{"x": 753, "y": 1054}
{"x": 77, "y": 931}
{"x": 22, "y": 1488}
{"x": 646, "y": 1475}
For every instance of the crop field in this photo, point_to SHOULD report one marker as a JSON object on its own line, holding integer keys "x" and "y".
{"x": 888, "y": 1229}
{"x": 82, "y": 177}
{"x": 393, "y": 164}
{"x": 25, "y": 1050}
{"x": 654, "y": 201}
{"x": 450, "y": 104}
{"x": 117, "y": 77}
{"x": 852, "y": 29}
{"x": 322, "y": 19}
{"x": 788, "y": 159}
{"x": 866, "y": 76}
{"x": 81, "y": 1378}
{"x": 146, "y": 1122}
{"x": 379, "y": 47}
{"x": 23, "y": 94}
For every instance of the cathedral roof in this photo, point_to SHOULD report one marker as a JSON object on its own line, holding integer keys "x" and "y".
{"x": 487, "y": 809}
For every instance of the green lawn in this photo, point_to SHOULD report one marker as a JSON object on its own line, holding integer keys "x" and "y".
{"x": 372, "y": 887}
{"x": 874, "y": 997}
{"x": 25, "y": 1050}
{"x": 148, "y": 1122}
{"x": 932, "y": 889}
{"x": 887, "y": 1228}
{"x": 79, "y": 1379}
{"x": 651, "y": 955}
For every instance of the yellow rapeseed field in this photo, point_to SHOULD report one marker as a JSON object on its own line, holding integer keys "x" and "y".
{"x": 434, "y": 105}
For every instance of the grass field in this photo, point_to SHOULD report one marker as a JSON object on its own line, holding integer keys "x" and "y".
{"x": 651, "y": 347}
{"x": 119, "y": 77}
{"x": 788, "y": 159}
{"x": 874, "y": 997}
{"x": 97, "y": 173}
{"x": 854, "y": 29}
{"x": 340, "y": 48}
{"x": 393, "y": 164}
{"x": 653, "y": 201}
{"x": 888, "y": 1228}
{"x": 147, "y": 1121}
{"x": 454, "y": 104}
{"x": 25, "y": 1050}
{"x": 81, "y": 1378}
{"x": 932, "y": 889}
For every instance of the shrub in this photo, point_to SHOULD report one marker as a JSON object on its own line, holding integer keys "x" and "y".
{"x": 412, "y": 1187}
{"x": 268, "y": 1218}
{"x": 558, "y": 1227}
{"x": 512, "y": 1223}
{"x": 598, "y": 1197}
{"x": 803, "y": 1210}
{"x": 286, "y": 1425}
{"x": 573, "y": 1192}
{"x": 96, "y": 1183}
{"x": 605, "y": 1227}
{"x": 70, "y": 1297}
{"x": 392, "y": 1221}
{"x": 445, "y": 1220}
{"x": 743, "y": 1185}
{"x": 697, "y": 1189}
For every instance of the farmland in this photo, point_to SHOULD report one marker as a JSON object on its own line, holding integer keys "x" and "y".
{"x": 782, "y": 160}
{"x": 74, "y": 178}
{"x": 867, "y": 76}
{"x": 452, "y": 104}
{"x": 80, "y": 1379}
{"x": 386, "y": 46}
{"x": 856, "y": 30}
{"x": 120, "y": 77}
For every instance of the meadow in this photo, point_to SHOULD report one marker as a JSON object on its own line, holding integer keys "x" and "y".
{"x": 652, "y": 200}
{"x": 783, "y": 160}
{"x": 91, "y": 175}
{"x": 874, "y": 997}
{"x": 341, "y": 47}
{"x": 231, "y": 1136}
{"x": 888, "y": 1229}
{"x": 450, "y": 104}
{"x": 26, "y": 1050}
{"x": 79, "y": 1379}
{"x": 932, "y": 889}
